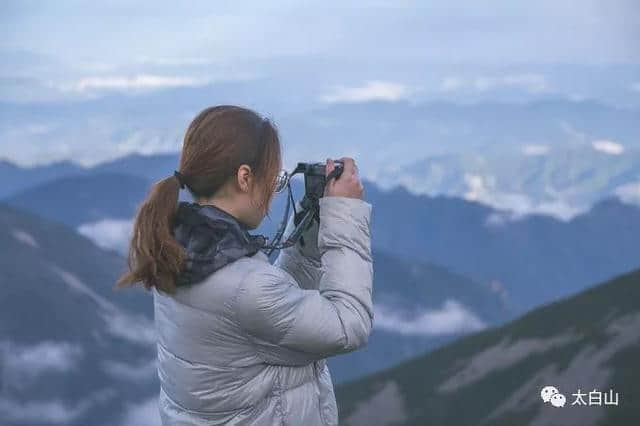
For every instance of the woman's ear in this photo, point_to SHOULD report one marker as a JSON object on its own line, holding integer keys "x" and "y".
{"x": 244, "y": 177}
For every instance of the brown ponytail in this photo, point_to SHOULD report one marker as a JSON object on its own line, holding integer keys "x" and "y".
{"x": 216, "y": 143}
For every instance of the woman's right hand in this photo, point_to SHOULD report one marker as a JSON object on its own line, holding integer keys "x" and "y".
{"x": 348, "y": 184}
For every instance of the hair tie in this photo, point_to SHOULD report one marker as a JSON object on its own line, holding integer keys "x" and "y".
{"x": 180, "y": 178}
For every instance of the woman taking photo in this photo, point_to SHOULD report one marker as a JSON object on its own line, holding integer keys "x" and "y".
{"x": 240, "y": 340}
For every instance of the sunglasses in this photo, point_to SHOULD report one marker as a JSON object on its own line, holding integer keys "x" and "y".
{"x": 281, "y": 181}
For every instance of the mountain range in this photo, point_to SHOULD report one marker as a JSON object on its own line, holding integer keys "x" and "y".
{"x": 424, "y": 305}
{"x": 587, "y": 344}
{"x": 548, "y": 155}
{"x": 530, "y": 258}
{"x": 73, "y": 351}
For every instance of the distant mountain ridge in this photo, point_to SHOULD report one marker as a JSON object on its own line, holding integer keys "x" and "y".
{"x": 588, "y": 342}
{"x": 73, "y": 350}
{"x": 535, "y": 259}
{"x": 535, "y": 178}
{"x": 408, "y": 294}
{"x": 427, "y": 146}
{"x": 532, "y": 259}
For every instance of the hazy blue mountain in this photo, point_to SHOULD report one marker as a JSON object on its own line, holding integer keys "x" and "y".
{"x": 587, "y": 343}
{"x": 535, "y": 259}
{"x": 382, "y": 135}
{"x": 532, "y": 259}
{"x": 547, "y": 155}
{"x": 16, "y": 179}
{"x": 562, "y": 182}
{"x": 57, "y": 304}
{"x": 73, "y": 350}
{"x": 75, "y": 200}
{"x": 150, "y": 167}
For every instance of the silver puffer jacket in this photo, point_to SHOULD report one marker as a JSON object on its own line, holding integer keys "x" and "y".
{"x": 248, "y": 344}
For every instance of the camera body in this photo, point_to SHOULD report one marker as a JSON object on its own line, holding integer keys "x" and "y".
{"x": 315, "y": 180}
{"x": 315, "y": 177}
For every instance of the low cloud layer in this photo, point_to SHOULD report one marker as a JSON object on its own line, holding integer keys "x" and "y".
{"x": 145, "y": 413}
{"x": 608, "y": 146}
{"x": 450, "y": 318}
{"x": 142, "y": 371}
{"x": 370, "y": 91}
{"x": 629, "y": 192}
{"x": 530, "y": 82}
{"x": 515, "y": 206}
{"x": 112, "y": 234}
{"x": 136, "y": 82}
{"x": 24, "y": 363}
{"x": 52, "y": 411}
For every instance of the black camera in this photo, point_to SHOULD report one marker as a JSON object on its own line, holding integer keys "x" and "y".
{"x": 315, "y": 179}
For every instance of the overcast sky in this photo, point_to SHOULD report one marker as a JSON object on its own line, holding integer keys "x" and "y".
{"x": 118, "y": 32}
{"x": 63, "y": 43}
{"x": 290, "y": 57}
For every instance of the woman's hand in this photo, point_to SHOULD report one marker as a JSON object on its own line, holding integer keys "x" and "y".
{"x": 348, "y": 184}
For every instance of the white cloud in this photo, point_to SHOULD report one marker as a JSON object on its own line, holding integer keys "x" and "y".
{"x": 451, "y": 83}
{"x": 134, "y": 328}
{"x": 25, "y": 237}
{"x": 174, "y": 60}
{"x": 531, "y": 82}
{"x": 535, "y": 150}
{"x": 501, "y": 218}
{"x": 452, "y": 317}
{"x": 371, "y": 91}
{"x": 23, "y": 363}
{"x": 559, "y": 209}
{"x": 514, "y": 206}
{"x": 141, "y": 81}
{"x": 111, "y": 234}
{"x": 142, "y": 371}
{"x": 608, "y": 146}
{"x": 629, "y": 192}
{"x": 143, "y": 414}
{"x": 53, "y": 411}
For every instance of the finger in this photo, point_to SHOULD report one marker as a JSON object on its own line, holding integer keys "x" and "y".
{"x": 328, "y": 169}
{"x": 348, "y": 165}
{"x": 330, "y": 166}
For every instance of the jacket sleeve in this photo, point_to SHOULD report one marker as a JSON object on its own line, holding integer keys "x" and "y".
{"x": 302, "y": 262}
{"x": 289, "y": 325}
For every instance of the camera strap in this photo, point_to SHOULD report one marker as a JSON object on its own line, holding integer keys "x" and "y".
{"x": 301, "y": 219}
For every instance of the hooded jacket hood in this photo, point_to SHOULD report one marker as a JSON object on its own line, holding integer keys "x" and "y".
{"x": 212, "y": 239}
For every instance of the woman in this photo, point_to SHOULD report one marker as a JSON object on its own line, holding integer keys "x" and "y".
{"x": 242, "y": 341}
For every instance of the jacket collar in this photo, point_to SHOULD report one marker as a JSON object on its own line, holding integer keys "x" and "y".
{"x": 212, "y": 238}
